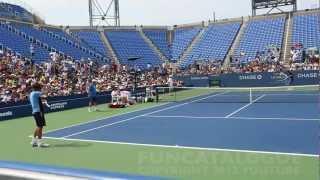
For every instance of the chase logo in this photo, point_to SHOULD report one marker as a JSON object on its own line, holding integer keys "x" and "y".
{"x": 280, "y": 76}
{"x": 308, "y": 75}
{"x": 251, "y": 77}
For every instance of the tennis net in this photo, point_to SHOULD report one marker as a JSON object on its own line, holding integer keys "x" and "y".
{"x": 285, "y": 94}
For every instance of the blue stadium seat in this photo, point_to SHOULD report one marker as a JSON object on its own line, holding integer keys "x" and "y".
{"x": 73, "y": 40}
{"x": 259, "y": 35}
{"x": 70, "y": 38}
{"x": 306, "y": 30}
{"x": 182, "y": 39}
{"x": 214, "y": 43}
{"x": 66, "y": 46}
{"x": 129, "y": 44}
{"x": 21, "y": 45}
{"x": 92, "y": 38}
{"x": 159, "y": 38}
{"x": 13, "y": 11}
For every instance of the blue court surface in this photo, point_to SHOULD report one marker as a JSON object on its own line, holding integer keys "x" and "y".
{"x": 276, "y": 128}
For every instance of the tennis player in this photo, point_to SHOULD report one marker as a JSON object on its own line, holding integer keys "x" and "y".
{"x": 38, "y": 114}
{"x": 92, "y": 94}
{"x": 125, "y": 96}
{"x": 115, "y": 96}
{"x": 171, "y": 85}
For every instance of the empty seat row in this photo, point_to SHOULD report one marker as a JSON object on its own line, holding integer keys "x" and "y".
{"x": 129, "y": 44}
{"x": 159, "y": 38}
{"x": 306, "y": 30}
{"x": 214, "y": 43}
{"x": 259, "y": 35}
{"x": 182, "y": 39}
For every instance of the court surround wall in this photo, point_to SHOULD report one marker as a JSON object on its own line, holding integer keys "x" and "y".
{"x": 264, "y": 79}
{"x": 23, "y": 109}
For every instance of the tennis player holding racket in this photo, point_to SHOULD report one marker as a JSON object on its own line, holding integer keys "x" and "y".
{"x": 38, "y": 114}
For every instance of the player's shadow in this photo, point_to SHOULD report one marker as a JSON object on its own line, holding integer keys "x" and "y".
{"x": 101, "y": 110}
{"x": 71, "y": 145}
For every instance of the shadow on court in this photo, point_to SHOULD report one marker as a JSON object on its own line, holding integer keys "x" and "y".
{"x": 101, "y": 110}
{"x": 70, "y": 145}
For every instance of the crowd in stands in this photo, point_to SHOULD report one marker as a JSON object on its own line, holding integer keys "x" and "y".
{"x": 61, "y": 77}
{"x": 304, "y": 59}
{"x": 296, "y": 53}
{"x": 216, "y": 68}
{"x": 265, "y": 61}
{"x": 201, "y": 68}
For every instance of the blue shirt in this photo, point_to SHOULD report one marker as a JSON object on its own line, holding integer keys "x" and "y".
{"x": 92, "y": 90}
{"x": 34, "y": 99}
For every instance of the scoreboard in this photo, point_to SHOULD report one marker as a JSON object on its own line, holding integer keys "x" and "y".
{"x": 263, "y": 4}
{"x": 275, "y": 1}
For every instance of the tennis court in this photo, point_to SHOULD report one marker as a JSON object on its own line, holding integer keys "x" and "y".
{"x": 275, "y": 121}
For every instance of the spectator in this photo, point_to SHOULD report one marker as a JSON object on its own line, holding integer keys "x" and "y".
{"x": 63, "y": 77}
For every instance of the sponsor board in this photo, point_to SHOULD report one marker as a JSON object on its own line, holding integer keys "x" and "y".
{"x": 251, "y": 77}
{"x": 254, "y": 79}
{"x": 6, "y": 114}
{"x": 58, "y": 105}
{"x": 199, "y": 78}
{"x": 309, "y": 75}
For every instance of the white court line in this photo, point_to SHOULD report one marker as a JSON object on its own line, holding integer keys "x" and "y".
{"x": 104, "y": 118}
{"x": 235, "y": 117}
{"x": 185, "y": 147}
{"x": 240, "y": 109}
{"x": 187, "y": 117}
{"x": 129, "y": 119}
{"x": 285, "y": 119}
{"x": 29, "y": 174}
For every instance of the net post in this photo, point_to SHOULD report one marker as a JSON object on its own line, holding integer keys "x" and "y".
{"x": 157, "y": 94}
{"x": 250, "y": 95}
{"x": 175, "y": 94}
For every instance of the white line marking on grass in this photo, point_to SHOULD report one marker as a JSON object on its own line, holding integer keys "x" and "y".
{"x": 129, "y": 119}
{"x": 235, "y": 117}
{"x": 185, "y": 147}
{"x": 240, "y": 109}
